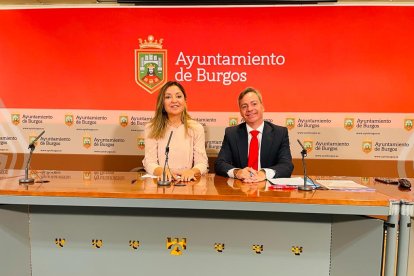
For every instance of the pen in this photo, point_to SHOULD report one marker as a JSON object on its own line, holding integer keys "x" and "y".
{"x": 282, "y": 187}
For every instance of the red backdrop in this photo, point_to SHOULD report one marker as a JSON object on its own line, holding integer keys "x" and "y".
{"x": 337, "y": 59}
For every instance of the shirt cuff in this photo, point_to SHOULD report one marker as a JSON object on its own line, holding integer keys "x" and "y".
{"x": 230, "y": 173}
{"x": 269, "y": 173}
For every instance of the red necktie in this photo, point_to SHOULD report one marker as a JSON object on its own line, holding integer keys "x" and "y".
{"x": 253, "y": 161}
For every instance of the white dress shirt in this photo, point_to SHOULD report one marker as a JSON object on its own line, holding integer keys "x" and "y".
{"x": 269, "y": 172}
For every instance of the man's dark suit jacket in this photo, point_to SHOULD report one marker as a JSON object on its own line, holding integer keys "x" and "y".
{"x": 274, "y": 152}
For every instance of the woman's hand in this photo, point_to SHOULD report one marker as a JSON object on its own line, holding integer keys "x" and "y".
{"x": 188, "y": 175}
{"x": 168, "y": 175}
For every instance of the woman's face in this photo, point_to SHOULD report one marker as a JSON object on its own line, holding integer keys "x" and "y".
{"x": 174, "y": 101}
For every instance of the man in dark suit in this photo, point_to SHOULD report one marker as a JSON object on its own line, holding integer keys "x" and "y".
{"x": 254, "y": 150}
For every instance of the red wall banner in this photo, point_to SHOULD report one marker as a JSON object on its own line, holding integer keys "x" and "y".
{"x": 340, "y": 78}
{"x": 303, "y": 59}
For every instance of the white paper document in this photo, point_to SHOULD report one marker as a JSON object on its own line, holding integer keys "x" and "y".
{"x": 342, "y": 185}
{"x": 148, "y": 176}
{"x": 293, "y": 181}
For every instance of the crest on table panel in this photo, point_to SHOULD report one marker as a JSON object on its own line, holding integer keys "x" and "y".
{"x": 150, "y": 64}
{"x": 134, "y": 244}
{"x": 257, "y": 248}
{"x": 219, "y": 247}
{"x": 176, "y": 245}
{"x": 60, "y": 242}
{"x": 97, "y": 243}
{"x": 297, "y": 250}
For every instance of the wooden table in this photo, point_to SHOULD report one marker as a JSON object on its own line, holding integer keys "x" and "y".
{"x": 107, "y": 223}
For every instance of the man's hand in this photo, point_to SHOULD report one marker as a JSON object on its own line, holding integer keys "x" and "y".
{"x": 250, "y": 175}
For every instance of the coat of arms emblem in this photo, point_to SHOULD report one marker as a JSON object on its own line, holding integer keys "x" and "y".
{"x": 150, "y": 64}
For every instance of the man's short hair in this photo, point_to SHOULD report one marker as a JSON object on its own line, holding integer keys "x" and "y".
{"x": 250, "y": 90}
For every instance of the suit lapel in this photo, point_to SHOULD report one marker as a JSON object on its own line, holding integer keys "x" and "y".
{"x": 242, "y": 144}
{"x": 266, "y": 145}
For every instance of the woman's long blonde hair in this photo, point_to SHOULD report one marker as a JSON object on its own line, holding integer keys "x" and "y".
{"x": 158, "y": 124}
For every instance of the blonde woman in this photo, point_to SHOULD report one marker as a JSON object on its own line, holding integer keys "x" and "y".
{"x": 187, "y": 153}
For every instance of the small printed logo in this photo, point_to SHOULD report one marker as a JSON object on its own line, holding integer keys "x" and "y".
{"x": 233, "y": 121}
{"x": 150, "y": 64}
{"x": 297, "y": 250}
{"x": 290, "y": 123}
{"x": 86, "y": 141}
{"x": 15, "y": 119}
{"x": 69, "y": 119}
{"x": 367, "y": 146}
{"x": 408, "y": 124}
{"x": 60, "y": 242}
{"x": 123, "y": 120}
{"x": 141, "y": 143}
{"x": 308, "y": 144}
{"x": 86, "y": 175}
{"x": 176, "y": 245}
{"x": 219, "y": 247}
{"x": 258, "y": 249}
{"x": 365, "y": 180}
{"x": 349, "y": 123}
{"x": 134, "y": 244}
{"x": 97, "y": 243}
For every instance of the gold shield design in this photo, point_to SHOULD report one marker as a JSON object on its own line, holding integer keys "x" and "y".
{"x": 408, "y": 124}
{"x": 367, "y": 146}
{"x": 150, "y": 64}
{"x": 349, "y": 123}
{"x": 290, "y": 123}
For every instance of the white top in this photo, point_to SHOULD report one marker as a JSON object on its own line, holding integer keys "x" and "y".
{"x": 185, "y": 152}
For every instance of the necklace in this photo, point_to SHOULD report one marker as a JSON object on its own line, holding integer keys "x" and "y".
{"x": 176, "y": 124}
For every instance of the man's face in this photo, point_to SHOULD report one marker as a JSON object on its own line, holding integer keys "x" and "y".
{"x": 251, "y": 109}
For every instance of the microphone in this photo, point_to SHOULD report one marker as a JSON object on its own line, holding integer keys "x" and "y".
{"x": 35, "y": 140}
{"x": 305, "y": 186}
{"x": 167, "y": 148}
{"x": 303, "y": 148}
{"x": 165, "y": 182}
{"x": 26, "y": 179}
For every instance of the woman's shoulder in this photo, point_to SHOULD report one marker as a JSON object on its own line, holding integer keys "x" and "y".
{"x": 148, "y": 128}
{"x": 195, "y": 125}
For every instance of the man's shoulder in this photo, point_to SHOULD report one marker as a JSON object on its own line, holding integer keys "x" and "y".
{"x": 274, "y": 127}
{"x": 235, "y": 129}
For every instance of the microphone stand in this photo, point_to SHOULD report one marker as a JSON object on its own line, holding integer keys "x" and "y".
{"x": 305, "y": 186}
{"x": 165, "y": 182}
{"x": 26, "y": 179}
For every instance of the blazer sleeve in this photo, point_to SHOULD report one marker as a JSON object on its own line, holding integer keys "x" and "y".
{"x": 284, "y": 164}
{"x": 224, "y": 161}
